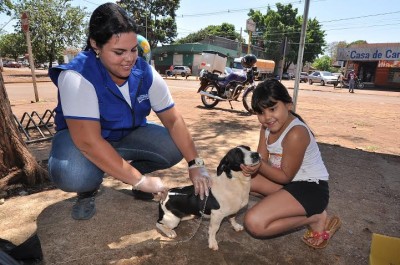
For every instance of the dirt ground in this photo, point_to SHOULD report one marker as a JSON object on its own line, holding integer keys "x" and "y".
{"x": 358, "y": 135}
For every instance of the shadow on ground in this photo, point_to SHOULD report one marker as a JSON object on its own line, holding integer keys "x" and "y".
{"x": 364, "y": 194}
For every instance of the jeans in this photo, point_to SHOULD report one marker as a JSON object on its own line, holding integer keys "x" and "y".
{"x": 150, "y": 148}
{"x": 352, "y": 84}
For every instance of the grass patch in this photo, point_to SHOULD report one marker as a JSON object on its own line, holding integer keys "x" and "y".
{"x": 371, "y": 148}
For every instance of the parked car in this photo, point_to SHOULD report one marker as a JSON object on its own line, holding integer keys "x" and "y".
{"x": 13, "y": 64}
{"x": 323, "y": 77}
{"x": 303, "y": 77}
{"x": 287, "y": 76}
{"x": 179, "y": 70}
{"x": 53, "y": 64}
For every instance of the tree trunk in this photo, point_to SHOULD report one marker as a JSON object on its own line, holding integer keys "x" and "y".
{"x": 17, "y": 164}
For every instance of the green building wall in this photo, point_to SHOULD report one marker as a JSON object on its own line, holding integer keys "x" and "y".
{"x": 163, "y": 56}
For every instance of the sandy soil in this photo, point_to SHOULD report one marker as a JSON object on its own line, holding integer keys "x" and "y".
{"x": 359, "y": 140}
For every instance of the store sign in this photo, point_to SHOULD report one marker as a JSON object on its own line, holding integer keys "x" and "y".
{"x": 250, "y": 25}
{"x": 369, "y": 54}
{"x": 389, "y": 64}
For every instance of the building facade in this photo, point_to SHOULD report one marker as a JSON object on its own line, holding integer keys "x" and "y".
{"x": 189, "y": 54}
{"x": 376, "y": 63}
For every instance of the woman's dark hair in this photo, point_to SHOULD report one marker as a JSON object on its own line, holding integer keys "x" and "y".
{"x": 106, "y": 20}
{"x": 268, "y": 93}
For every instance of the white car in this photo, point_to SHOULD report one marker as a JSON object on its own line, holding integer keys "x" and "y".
{"x": 179, "y": 70}
{"x": 323, "y": 77}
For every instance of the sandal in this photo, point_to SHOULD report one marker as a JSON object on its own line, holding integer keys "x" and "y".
{"x": 330, "y": 229}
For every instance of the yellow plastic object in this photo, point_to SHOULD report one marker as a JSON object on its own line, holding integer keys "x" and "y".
{"x": 385, "y": 250}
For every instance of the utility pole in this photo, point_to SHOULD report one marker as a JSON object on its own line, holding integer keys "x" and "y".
{"x": 239, "y": 52}
{"x": 25, "y": 28}
{"x": 301, "y": 52}
{"x": 284, "y": 51}
{"x": 251, "y": 27}
{"x": 249, "y": 46}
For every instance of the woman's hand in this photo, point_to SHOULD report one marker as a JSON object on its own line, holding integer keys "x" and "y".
{"x": 250, "y": 170}
{"x": 201, "y": 181}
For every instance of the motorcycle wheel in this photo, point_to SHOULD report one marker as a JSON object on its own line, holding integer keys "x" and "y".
{"x": 360, "y": 85}
{"x": 208, "y": 102}
{"x": 248, "y": 94}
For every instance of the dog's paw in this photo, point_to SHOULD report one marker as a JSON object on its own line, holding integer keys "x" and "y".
{"x": 212, "y": 244}
{"x": 166, "y": 230}
{"x": 237, "y": 227}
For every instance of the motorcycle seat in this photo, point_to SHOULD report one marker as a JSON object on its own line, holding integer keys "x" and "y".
{"x": 212, "y": 76}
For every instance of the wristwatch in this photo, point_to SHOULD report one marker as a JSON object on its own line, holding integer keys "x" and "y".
{"x": 197, "y": 162}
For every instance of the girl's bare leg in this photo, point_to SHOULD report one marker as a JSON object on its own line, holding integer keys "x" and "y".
{"x": 280, "y": 212}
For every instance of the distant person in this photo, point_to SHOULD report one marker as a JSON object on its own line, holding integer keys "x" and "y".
{"x": 369, "y": 76}
{"x": 340, "y": 79}
{"x": 351, "y": 77}
{"x": 292, "y": 176}
{"x": 105, "y": 94}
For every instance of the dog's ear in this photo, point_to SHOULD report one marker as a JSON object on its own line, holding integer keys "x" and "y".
{"x": 224, "y": 167}
{"x": 221, "y": 166}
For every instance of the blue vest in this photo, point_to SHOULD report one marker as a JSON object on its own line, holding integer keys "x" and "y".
{"x": 117, "y": 118}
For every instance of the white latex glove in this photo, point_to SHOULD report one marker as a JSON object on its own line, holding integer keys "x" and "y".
{"x": 201, "y": 181}
{"x": 150, "y": 184}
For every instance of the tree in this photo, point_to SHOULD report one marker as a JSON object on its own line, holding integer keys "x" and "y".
{"x": 5, "y": 6}
{"x": 155, "y": 18}
{"x": 357, "y": 42}
{"x": 282, "y": 23}
{"x": 323, "y": 63}
{"x": 12, "y": 45}
{"x": 17, "y": 164}
{"x": 225, "y": 30}
{"x": 54, "y": 25}
{"x": 333, "y": 47}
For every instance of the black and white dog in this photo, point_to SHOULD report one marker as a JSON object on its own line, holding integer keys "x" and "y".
{"x": 229, "y": 193}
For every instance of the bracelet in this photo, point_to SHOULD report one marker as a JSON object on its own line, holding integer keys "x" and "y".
{"x": 142, "y": 179}
{"x": 195, "y": 166}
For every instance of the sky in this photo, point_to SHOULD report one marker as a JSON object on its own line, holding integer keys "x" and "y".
{"x": 342, "y": 20}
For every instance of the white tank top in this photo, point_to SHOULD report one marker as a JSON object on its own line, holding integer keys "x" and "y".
{"x": 312, "y": 168}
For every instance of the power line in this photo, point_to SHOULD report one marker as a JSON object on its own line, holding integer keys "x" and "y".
{"x": 351, "y": 18}
{"x": 96, "y": 4}
{"x": 6, "y": 24}
{"x": 238, "y": 10}
{"x": 328, "y": 21}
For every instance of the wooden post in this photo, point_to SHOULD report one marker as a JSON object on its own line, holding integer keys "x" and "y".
{"x": 25, "y": 29}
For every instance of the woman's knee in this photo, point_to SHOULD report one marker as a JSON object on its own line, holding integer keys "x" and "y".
{"x": 72, "y": 183}
{"x": 69, "y": 169}
{"x": 254, "y": 225}
{"x": 73, "y": 177}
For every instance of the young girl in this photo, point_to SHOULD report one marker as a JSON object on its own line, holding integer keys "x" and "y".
{"x": 292, "y": 175}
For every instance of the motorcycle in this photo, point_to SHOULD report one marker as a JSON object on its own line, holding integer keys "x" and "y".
{"x": 215, "y": 88}
{"x": 358, "y": 83}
